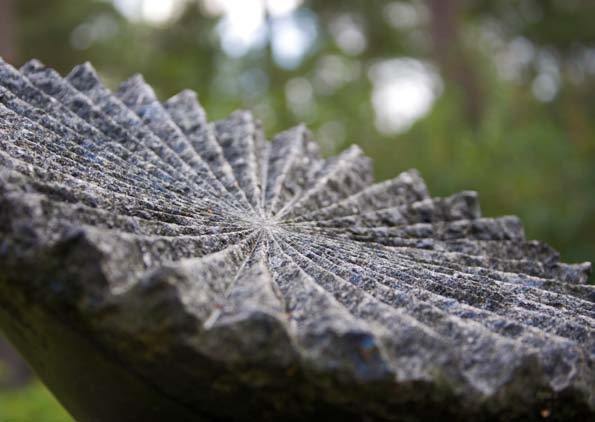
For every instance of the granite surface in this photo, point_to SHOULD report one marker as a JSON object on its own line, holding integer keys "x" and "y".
{"x": 157, "y": 266}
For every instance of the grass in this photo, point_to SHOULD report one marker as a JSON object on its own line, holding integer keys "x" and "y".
{"x": 33, "y": 403}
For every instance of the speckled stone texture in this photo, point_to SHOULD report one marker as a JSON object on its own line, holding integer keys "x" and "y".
{"x": 155, "y": 266}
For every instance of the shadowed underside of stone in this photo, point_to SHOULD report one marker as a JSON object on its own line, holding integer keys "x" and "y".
{"x": 156, "y": 266}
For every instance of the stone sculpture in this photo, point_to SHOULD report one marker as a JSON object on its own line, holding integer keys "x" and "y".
{"x": 155, "y": 267}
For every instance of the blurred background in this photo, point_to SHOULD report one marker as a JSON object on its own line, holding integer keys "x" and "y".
{"x": 493, "y": 96}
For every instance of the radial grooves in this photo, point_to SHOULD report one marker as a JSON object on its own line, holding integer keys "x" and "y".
{"x": 277, "y": 274}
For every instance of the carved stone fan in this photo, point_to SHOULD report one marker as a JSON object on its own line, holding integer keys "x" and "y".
{"x": 155, "y": 266}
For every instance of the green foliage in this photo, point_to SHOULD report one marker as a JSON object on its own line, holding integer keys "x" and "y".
{"x": 33, "y": 403}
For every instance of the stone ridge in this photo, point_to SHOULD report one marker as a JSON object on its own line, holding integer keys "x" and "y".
{"x": 156, "y": 266}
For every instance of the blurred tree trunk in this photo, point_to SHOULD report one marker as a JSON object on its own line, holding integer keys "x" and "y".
{"x": 7, "y": 31}
{"x": 450, "y": 54}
